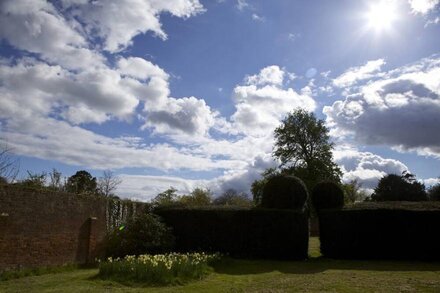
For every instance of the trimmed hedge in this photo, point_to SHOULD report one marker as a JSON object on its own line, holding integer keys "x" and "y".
{"x": 327, "y": 195}
{"x": 381, "y": 232}
{"x": 284, "y": 192}
{"x": 247, "y": 233}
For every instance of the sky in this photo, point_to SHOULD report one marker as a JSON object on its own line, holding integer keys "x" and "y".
{"x": 187, "y": 93}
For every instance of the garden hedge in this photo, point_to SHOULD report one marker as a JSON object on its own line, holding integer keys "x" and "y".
{"x": 248, "y": 233}
{"x": 381, "y": 231}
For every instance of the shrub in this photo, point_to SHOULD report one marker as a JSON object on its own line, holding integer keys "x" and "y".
{"x": 142, "y": 234}
{"x": 387, "y": 230}
{"x": 327, "y": 195}
{"x": 158, "y": 269}
{"x": 240, "y": 232}
{"x": 284, "y": 192}
{"x": 434, "y": 192}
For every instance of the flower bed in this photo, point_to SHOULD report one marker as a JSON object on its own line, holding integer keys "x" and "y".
{"x": 160, "y": 269}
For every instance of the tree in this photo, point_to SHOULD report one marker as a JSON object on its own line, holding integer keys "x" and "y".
{"x": 35, "y": 180}
{"x": 9, "y": 166}
{"x": 434, "y": 192}
{"x": 232, "y": 198}
{"x": 167, "y": 197}
{"x": 81, "y": 182}
{"x": 55, "y": 180}
{"x": 403, "y": 187}
{"x": 353, "y": 192}
{"x": 108, "y": 183}
{"x": 198, "y": 197}
{"x": 303, "y": 147}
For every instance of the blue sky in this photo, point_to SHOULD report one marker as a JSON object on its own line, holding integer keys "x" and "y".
{"x": 186, "y": 93}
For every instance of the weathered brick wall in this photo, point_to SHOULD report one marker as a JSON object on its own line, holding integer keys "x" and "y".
{"x": 49, "y": 228}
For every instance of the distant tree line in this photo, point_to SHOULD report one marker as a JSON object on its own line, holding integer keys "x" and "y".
{"x": 202, "y": 197}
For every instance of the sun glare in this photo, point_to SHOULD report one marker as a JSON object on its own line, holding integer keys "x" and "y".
{"x": 381, "y": 15}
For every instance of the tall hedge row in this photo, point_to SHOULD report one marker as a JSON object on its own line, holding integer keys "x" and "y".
{"x": 249, "y": 233}
{"x": 380, "y": 234}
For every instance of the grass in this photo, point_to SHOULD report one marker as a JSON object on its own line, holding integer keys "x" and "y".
{"x": 315, "y": 275}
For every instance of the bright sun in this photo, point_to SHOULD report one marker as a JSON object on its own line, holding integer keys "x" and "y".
{"x": 382, "y": 15}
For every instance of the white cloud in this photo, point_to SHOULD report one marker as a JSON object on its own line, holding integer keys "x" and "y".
{"x": 257, "y": 17}
{"x": 36, "y": 26}
{"x": 423, "y": 6}
{"x": 263, "y": 101}
{"x": 133, "y": 17}
{"x": 188, "y": 115}
{"x": 355, "y": 74}
{"x": 400, "y": 110}
{"x": 365, "y": 167}
{"x": 242, "y": 4}
{"x": 145, "y": 188}
{"x": 140, "y": 68}
{"x": 269, "y": 75}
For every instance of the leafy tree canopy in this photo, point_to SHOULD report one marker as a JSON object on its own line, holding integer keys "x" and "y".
{"x": 198, "y": 197}
{"x": 303, "y": 147}
{"x": 403, "y": 187}
{"x": 232, "y": 198}
{"x": 434, "y": 192}
{"x": 81, "y": 182}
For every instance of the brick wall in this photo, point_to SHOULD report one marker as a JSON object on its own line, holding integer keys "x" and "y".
{"x": 50, "y": 228}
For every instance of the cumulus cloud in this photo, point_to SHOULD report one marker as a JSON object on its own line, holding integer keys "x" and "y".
{"x": 355, "y": 74}
{"x": 263, "y": 101}
{"x": 188, "y": 115}
{"x": 365, "y": 167}
{"x": 423, "y": 6}
{"x": 400, "y": 110}
{"x": 36, "y": 26}
{"x": 133, "y": 18}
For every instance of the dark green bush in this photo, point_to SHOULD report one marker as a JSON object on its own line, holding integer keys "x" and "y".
{"x": 381, "y": 231}
{"x": 434, "y": 192}
{"x": 327, "y": 195}
{"x": 399, "y": 188}
{"x": 240, "y": 232}
{"x": 140, "y": 235}
{"x": 284, "y": 192}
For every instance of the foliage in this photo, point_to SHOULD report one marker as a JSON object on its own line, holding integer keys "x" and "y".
{"x": 241, "y": 275}
{"x": 240, "y": 232}
{"x": 55, "y": 180}
{"x": 302, "y": 145}
{"x": 142, "y": 234}
{"x": 81, "y": 182}
{"x": 401, "y": 188}
{"x": 258, "y": 185}
{"x": 198, "y": 197}
{"x": 167, "y": 197}
{"x": 35, "y": 180}
{"x": 284, "y": 192}
{"x": 381, "y": 232}
{"x": 353, "y": 192}
{"x": 108, "y": 183}
{"x": 25, "y": 272}
{"x": 3, "y": 180}
{"x": 232, "y": 198}
{"x": 9, "y": 166}
{"x": 434, "y": 192}
{"x": 161, "y": 269}
{"x": 327, "y": 195}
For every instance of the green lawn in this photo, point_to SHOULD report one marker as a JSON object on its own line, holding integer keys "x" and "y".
{"x": 315, "y": 275}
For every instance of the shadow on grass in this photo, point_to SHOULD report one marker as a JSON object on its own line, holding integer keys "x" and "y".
{"x": 231, "y": 266}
